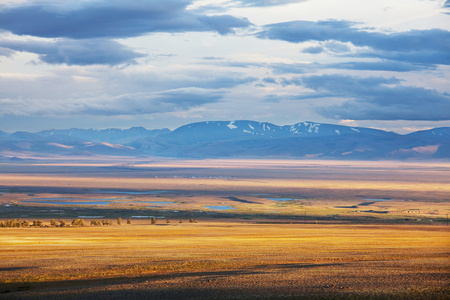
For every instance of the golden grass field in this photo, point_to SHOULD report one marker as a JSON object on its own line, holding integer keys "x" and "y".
{"x": 225, "y": 260}
{"x": 343, "y": 230}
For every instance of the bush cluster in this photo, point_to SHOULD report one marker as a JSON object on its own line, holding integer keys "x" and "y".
{"x": 14, "y": 223}
{"x": 106, "y": 222}
{"x": 75, "y": 222}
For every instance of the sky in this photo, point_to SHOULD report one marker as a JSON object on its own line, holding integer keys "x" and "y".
{"x": 162, "y": 64}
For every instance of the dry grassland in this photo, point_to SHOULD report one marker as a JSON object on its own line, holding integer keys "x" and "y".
{"x": 348, "y": 230}
{"x": 225, "y": 260}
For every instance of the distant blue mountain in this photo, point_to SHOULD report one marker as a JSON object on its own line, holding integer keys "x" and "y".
{"x": 221, "y": 130}
{"x": 440, "y": 132}
{"x": 235, "y": 139}
{"x": 111, "y": 135}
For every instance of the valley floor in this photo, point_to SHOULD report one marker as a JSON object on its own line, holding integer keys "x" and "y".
{"x": 214, "y": 260}
{"x": 259, "y": 229}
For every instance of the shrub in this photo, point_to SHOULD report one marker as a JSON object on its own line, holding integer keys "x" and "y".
{"x": 78, "y": 222}
{"x": 128, "y": 221}
{"x": 37, "y": 223}
{"x": 95, "y": 223}
{"x": 119, "y": 220}
{"x": 153, "y": 220}
{"x": 167, "y": 221}
{"x": 52, "y": 223}
{"x": 62, "y": 223}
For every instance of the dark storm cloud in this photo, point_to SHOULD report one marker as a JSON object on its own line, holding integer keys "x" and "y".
{"x": 419, "y": 46}
{"x": 76, "y": 52}
{"x": 377, "y": 98}
{"x": 112, "y": 19}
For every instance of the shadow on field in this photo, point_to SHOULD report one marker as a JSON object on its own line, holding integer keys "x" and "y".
{"x": 15, "y": 269}
{"x": 223, "y": 284}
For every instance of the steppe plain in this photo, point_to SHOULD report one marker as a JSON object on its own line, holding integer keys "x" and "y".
{"x": 264, "y": 229}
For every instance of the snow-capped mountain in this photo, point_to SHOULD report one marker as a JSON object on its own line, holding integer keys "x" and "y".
{"x": 242, "y": 138}
{"x": 223, "y": 130}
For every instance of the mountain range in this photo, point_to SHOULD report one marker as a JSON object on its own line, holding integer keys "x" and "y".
{"x": 233, "y": 139}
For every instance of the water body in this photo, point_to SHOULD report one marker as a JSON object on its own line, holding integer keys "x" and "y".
{"x": 130, "y": 192}
{"x": 79, "y": 199}
{"x": 220, "y": 207}
{"x": 92, "y": 201}
{"x": 72, "y": 202}
{"x": 381, "y": 200}
{"x": 153, "y": 202}
{"x": 281, "y": 199}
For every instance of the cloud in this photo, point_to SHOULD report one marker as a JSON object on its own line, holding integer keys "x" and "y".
{"x": 416, "y": 46}
{"x": 125, "y": 104}
{"x": 313, "y": 50}
{"x": 5, "y": 51}
{"x": 76, "y": 52}
{"x": 111, "y": 19}
{"x": 113, "y": 91}
{"x": 377, "y": 98}
{"x": 263, "y": 3}
{"x": 148, "y": 103}
{"x": 269, "y": 80}
{"x": 384, "y": 65}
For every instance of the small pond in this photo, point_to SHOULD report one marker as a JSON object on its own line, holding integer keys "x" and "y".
{"x": 220, "y": 207}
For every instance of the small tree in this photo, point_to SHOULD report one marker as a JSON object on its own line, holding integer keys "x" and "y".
{"x": 37, "y": 223}
{"x": 153, "y": 220}
{"x": 119, "y": 221}
{"x": 128, "y": 221}
{"x": 52, "y": 223}
{"x": 62, "y": 223}
{"x": 95, "y": 223}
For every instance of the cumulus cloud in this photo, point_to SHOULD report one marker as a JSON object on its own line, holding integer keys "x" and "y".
{"x": 416, "y": 46}
{"x": 76, "y": 52}
{"x": 111, "y": 19}
{"x": 377, "y": 98}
